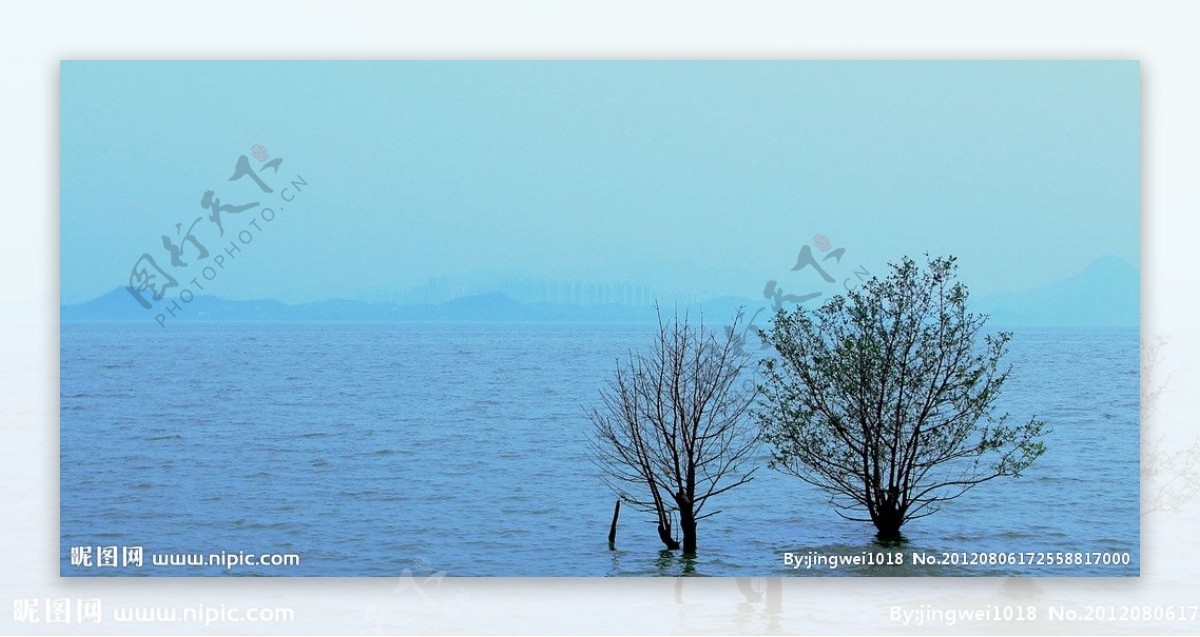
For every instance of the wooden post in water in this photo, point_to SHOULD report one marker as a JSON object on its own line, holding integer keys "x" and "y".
{"x": 612, "y": 530}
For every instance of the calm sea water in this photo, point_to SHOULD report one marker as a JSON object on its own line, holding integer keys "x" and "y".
{"x": 396, "y": 449}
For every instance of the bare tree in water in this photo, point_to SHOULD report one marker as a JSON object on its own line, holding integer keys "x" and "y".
{"x": 672, "y": 429}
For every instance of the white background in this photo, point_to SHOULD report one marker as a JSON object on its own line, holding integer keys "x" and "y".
{"x": 34, "y": 37}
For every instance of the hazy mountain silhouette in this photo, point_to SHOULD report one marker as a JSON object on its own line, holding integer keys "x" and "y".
{"x": 119, "y": 305}
{"x": 1106, "y": 293}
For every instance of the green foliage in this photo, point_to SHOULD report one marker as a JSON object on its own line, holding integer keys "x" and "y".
{"x": 885, "y": 397}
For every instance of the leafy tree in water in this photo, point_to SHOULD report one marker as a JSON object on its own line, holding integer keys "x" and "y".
{"x": 673, "y": 428}
{"x": 885, "y": 397}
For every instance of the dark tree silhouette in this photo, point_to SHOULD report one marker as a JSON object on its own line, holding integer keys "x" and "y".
{"x": 885, "y": 397}
{"x": 672, "y": 429}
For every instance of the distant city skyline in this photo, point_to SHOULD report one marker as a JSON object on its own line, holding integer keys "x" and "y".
{"x": 445, "y": 288}
{"x": 1104, "y": 294}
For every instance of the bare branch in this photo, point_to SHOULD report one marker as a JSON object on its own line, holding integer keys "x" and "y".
{"x": 673, "y": 421}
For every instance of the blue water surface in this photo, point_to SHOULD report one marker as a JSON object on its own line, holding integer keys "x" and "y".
{"x": 376, "y": 449}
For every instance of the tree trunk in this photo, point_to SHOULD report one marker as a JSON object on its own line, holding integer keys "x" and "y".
{"x": 687, "y": 523}
{"x": 664, "y": 534}
{"x": 889, "y": 515}
{"x": 887, "y": 524}
{"x": 689, "y": 535}
{"x": 774, "y": 595}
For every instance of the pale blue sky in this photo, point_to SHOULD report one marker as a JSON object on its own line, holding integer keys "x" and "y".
{"x": 685, "y": 176}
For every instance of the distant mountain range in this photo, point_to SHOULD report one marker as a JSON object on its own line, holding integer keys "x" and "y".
{"x": 119, "y": 305}
{"x": 1105, "y": 294}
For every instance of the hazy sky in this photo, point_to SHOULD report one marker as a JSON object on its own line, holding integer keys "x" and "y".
{"x": 699, "y": 176}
